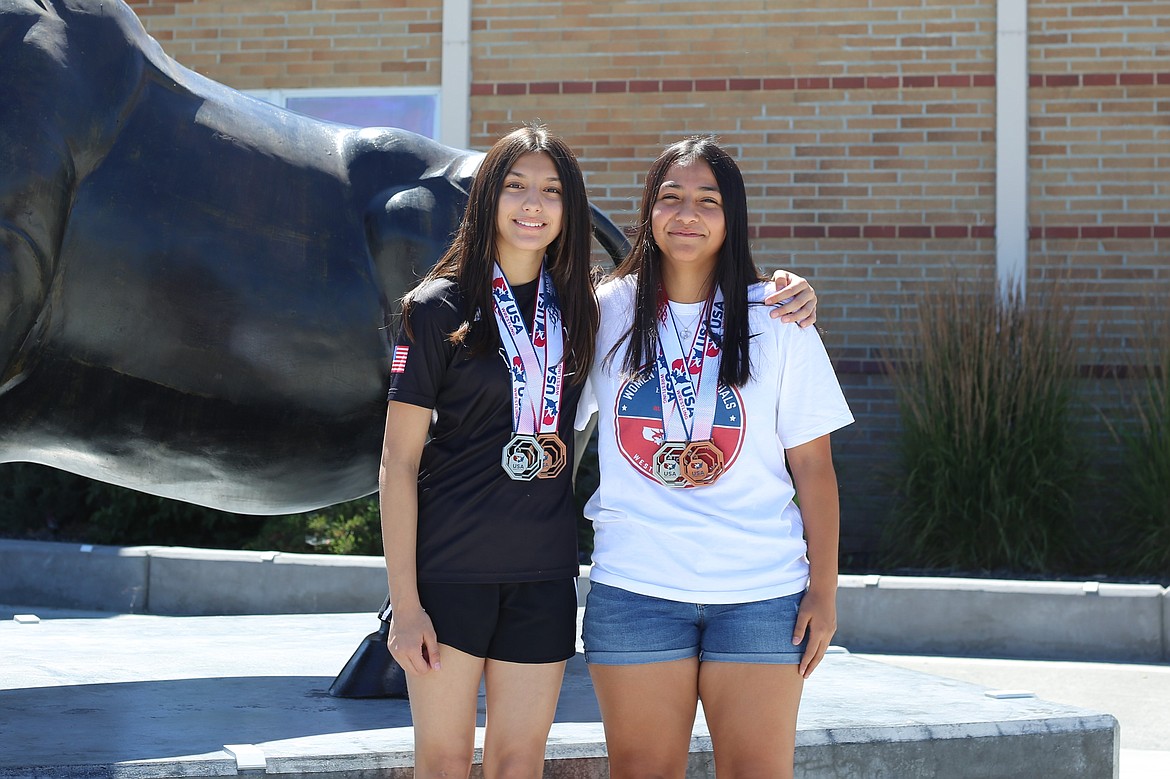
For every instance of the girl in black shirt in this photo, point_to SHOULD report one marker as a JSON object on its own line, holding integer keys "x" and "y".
{"x": 478, "y": 522}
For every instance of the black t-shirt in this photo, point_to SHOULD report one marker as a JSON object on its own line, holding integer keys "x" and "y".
{"x": 475, "y": 523}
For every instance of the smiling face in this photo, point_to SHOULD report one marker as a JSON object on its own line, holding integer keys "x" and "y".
{"x": 687, "y": 222}
{"x": 528, "y": 217}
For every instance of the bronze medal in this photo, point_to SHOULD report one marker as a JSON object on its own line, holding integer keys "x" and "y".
{"x": 523, "y": 457}
{"x": 667, "y": 468}
{"x": 701, "y": 463}
{"x": 555, "y": 454}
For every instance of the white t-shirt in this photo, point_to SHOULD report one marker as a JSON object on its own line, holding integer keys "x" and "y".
{"x": 737, "y": 540}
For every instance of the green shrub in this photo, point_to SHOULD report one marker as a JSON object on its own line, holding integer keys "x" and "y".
{"x": 125, "y": 517}
{"x": 1143, "y": 485}
{"x": 347, "y": 528}
{"x": 46, "y": 504}
{"x": 989, "y": 462}
{"x": 42, "y": 503}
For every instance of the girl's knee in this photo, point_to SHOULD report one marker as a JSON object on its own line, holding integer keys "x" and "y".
{"x": 443, "y": 764}
{"x": 514, "y": 764}
{"x": 645, "y": 767}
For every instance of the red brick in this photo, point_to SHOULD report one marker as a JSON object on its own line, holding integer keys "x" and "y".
{"x": 1137, "y": 79}
{"x": 1100, "y": 79}
{"x": 954, "y": 81}
{"x": 744, "y": 84}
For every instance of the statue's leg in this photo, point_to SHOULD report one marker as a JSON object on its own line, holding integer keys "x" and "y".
{"x": 34, "y": 203}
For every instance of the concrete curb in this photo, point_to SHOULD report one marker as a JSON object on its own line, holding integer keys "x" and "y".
{"x": 891, "y": 614}
{"x": 106, "y": 578}
{"x": 204, "y": 582}
{"x": 992, "y": 617}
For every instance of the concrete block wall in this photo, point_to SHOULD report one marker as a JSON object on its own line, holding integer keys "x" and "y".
{"x": 105, "y": 578}
{"x": 982, "y": 617}
{"x": 892, "y": 614}
{"x": 179, "y": 581}
{"x": 214, "y": 581}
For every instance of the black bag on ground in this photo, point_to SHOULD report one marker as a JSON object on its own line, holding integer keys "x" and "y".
{"x": 372, "y": 672}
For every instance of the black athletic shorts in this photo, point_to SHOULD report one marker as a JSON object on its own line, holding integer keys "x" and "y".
{"x": 521, "y": 622}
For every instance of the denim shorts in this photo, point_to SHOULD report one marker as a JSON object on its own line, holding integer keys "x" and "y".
{"x": 624, "y": 628}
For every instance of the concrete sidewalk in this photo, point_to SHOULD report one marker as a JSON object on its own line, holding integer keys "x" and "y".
{"x": 148, "y": 697}
{"x": 1068, "y": 637}
{"x": 1137, "y": 694}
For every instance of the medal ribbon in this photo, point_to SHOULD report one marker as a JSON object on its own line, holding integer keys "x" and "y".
{"x": 534, "y": 361}
{"x": 688, "y": 374}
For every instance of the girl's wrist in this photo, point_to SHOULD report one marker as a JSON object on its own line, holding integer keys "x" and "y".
{"x": 823, "y": 582}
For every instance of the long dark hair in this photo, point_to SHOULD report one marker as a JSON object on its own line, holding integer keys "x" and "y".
{"x": 734, "y": 270}
{"x": 472, "y": 255}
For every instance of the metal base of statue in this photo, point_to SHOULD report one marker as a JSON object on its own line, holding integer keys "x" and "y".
{"x": 372, "y": 672}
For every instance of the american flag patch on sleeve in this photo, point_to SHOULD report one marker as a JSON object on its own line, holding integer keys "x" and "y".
{"x": 399, "y": 363}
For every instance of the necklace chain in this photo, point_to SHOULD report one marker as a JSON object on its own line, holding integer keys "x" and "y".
{"x": 688, "y": 324}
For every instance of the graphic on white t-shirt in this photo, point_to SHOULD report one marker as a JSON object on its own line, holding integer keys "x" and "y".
{"x": 638, "y": 422}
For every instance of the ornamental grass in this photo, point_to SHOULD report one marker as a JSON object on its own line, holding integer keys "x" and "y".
{"x": 1143, "y": 485}
{"x": 989, "y": 461}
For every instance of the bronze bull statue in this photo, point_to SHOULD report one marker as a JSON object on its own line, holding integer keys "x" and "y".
{"x": 196, "y": 286}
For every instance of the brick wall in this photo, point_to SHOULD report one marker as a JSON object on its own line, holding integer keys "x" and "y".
{"x": 865, "y": 129}
{"x": 1100, "y": 157}
{"x": 272, "y": 44}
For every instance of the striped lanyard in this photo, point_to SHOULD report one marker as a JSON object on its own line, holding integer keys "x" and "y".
{"x": 534, "y": 360}
{"x": 688, "y": 374}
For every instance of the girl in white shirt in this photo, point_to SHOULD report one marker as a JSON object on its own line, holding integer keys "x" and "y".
{"x": 709, "y": 582}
